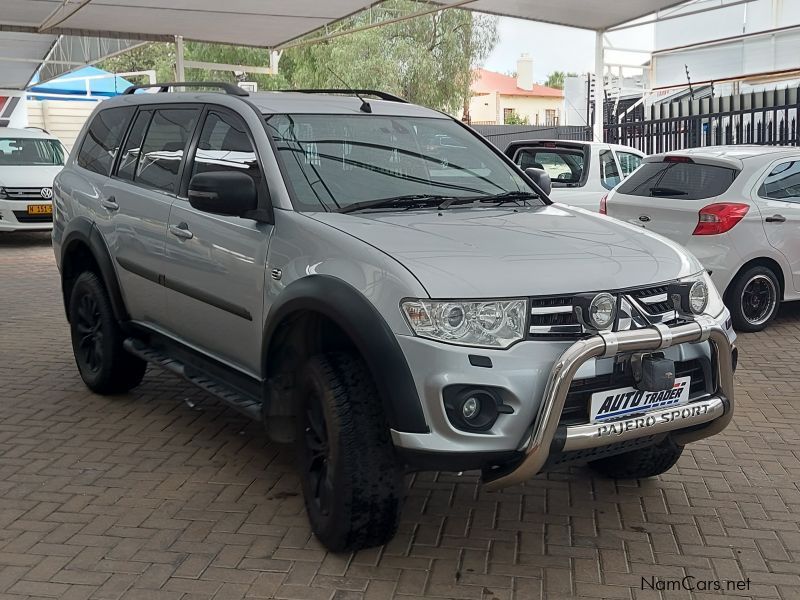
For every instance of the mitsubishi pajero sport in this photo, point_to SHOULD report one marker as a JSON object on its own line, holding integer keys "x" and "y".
{"x": 381, "y": 286}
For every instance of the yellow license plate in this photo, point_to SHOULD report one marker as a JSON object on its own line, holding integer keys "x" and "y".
{"x": 40, "y": 209}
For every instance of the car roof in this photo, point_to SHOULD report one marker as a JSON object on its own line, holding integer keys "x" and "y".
{"x": 283, "y": 103}
{"x": 741, "y": 152}
{"x": 10, "y": 132}
{"x": 567, "y": 144}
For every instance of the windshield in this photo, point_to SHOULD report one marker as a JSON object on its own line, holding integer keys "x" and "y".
{"x": 334, "y": 161}
{"x": 29, "y": 152}
{"x": 565, "y": 167}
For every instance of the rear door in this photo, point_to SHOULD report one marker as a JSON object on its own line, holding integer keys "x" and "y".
{"x": 779, "y": 200}
{"x": 139, "y": 196}
{"x": 665, "y": 195}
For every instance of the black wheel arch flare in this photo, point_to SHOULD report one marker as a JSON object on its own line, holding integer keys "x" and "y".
{"x": 360, "y": 320}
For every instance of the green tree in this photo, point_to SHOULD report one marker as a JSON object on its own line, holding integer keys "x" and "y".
{"x": 515, "y": 119}
{"x": 427, "y": 60}
{"x": 556, "y": 79}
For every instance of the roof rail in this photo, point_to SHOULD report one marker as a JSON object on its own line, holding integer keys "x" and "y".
{"x": 350, "y": 92}
{"x": 229, "y": 88}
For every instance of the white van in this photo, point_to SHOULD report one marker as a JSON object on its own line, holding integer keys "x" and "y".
{"x": 29, "y": 161}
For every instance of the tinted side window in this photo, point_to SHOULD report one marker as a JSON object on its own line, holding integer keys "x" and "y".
{"x": 628, "y": 162}
{"x": 133, "y": 146}
{"x": 164, "y": 146}
{"x": 678, "y": 180}
{"x": 609, "y": 174}
{"x": 783, "y": 183}
{"x": 225, "y": 146}
{"x": 100, "y": 146}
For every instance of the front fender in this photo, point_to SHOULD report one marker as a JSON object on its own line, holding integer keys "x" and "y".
{"x": 366, "y": 327}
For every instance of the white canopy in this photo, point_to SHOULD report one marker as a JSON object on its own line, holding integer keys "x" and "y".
{"x": 65, "y": 34}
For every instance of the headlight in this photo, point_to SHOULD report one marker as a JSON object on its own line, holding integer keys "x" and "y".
{"x": 698, "y": 295}
{"x": 486, "y": 324}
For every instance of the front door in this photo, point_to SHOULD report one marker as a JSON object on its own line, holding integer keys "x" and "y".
{"x": 779, "y": 201}
{"x": 216, "y": 265}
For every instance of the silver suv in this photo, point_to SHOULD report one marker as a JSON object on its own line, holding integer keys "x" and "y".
{"x": 384, "y": 288}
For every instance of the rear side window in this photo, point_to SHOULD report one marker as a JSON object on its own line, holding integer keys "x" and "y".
{"x": 783, "y": 183}
{"x": 563, "y": 166}
{"x": 679, "y": 180}
{"x": 133, "y": 146}
{"x": 101, "y": 144}
{"x": 628, "y": 162}
{"x": 164, "y": 146}
{"x": 609, "y": 173}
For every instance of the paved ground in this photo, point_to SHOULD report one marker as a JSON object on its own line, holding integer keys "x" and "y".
{"x": 164, "y": 494}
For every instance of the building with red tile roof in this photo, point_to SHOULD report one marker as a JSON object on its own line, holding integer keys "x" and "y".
{"x": 498, "y": 98}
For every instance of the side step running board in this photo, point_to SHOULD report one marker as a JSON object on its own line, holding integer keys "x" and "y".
{"x": 244, "y": 403}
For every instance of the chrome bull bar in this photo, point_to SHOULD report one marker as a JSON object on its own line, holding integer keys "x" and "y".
{"x": 715, "y": 412}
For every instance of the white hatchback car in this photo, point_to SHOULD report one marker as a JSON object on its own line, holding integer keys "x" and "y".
{"x": 736, "y": 208}
{"x": 581, "y": 173}
{"x": 29, "y": 161}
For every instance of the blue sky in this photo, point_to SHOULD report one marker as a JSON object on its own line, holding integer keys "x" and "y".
{"x": 555, "y": 48}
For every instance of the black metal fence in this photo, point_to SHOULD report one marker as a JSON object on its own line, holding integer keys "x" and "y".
{"x": 502, "y": 135}
{"x": 769, "y": 117}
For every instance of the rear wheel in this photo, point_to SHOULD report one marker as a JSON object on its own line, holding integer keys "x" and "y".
{"x": 352, "y": 484}
{"x": 641, "y": 463}
{"x": 104, "y": 365}
{"x": 753, "y": 299}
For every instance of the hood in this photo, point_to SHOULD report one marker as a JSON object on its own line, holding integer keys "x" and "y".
{"x": 28, "y": 177}
{"x": 500, "y": 252}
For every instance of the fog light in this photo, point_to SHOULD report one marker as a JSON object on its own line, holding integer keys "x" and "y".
{"x": 470, "y": 408}
{"x": 595, "y": 312}
{"x": 473, "y": 409}
{"x": 688, "y": 297}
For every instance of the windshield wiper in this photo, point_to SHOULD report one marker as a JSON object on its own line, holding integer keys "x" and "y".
{"x": 499, "y": 199}
{"x": 665, "y": 191}
{"x": 407, "y": 201}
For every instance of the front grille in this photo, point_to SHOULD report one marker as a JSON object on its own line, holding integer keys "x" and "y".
{"x": 654, "y": 299}
{"x": 552, "y": 317}
{"x": 579, "y": 397}
{"x": 24, "y": 193}
{"x": 23, "y": 217}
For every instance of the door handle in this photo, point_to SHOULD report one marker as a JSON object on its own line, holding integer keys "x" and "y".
{"x": 109, "y": 203}
{"x": 181, "y": 230}
{"x": 776, "y": 219}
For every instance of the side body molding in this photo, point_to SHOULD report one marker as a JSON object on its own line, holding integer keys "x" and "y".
{"x": 359, "y": 318}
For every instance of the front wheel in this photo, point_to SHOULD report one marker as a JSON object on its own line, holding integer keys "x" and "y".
{"x": 641, "y": 463}
{"x": 352, "y": 484}
{"x": 753, "y": 299}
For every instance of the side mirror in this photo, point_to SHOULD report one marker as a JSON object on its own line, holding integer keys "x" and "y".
{"x": 540, "y": 178}
{"x": 226, "y": 193}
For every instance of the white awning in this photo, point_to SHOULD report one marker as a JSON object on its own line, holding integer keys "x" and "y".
{"x": 30, "y": 28}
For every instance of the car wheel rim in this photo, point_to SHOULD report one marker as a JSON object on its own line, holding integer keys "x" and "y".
{"x": 318, "y": 459}
{"x": 88, "y": 325}
{"x": 759, "y": 299}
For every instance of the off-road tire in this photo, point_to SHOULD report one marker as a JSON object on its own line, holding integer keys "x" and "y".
{"x": 362, "y": 508}
{"x": 734, "y": 293}
{"x": 112, "y": 370}
{"x": 641, "y": 463}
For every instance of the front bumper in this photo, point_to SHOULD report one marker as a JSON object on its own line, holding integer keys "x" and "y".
{"x": 686, "y": 423}
{"x": 14, "y": 217}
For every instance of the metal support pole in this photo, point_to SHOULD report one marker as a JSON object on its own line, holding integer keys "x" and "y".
{"x": 599, "y": 86}
{"x": 180, "y": 69}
